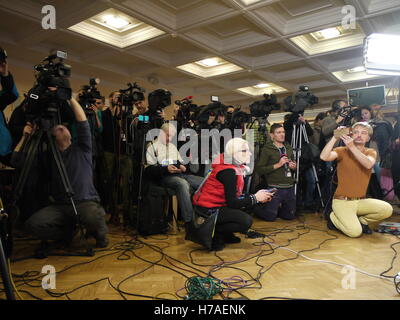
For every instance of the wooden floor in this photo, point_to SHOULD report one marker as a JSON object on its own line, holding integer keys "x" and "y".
{"x": 131, "y": 266}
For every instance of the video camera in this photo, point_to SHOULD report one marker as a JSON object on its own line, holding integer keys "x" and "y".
{"x": 298, "y": 102}
{"x": 214, "y": 109}
{"x": 50, "y": 74}
{"x": 238, "y": 118}
{"x": 158, "y": 100}
{"x": 89, "y": 94}
{"x": 263, "y": 108}
{"x": 186, "y": 109}
{"x": 3, "y": 55}
{"x": 131, "y": 95}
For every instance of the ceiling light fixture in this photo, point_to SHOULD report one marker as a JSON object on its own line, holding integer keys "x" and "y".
{"x": 116, "y": 22}
{"x": 330, "y": 33}
{"x": 381, "y": 54}
{"x": 356, "y": 69}
{"x": 209, "y": 63}
{"x": 262, "y": 85}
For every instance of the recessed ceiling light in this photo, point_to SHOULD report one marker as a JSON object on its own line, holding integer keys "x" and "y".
{"x": 262, "y": 85}
{"x": 116, "y": 28}
{"x": 249, "y": 2}
{"x": 257, "y": 91}
{"x": 356, "y": 69}
{"x": 116, "y": 22}
{"x": 209, "y": 63}
{"x": 210, "y": 67}
{"x": 330, "y": 33}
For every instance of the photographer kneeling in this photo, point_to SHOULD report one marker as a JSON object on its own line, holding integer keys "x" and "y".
{"x": 58, "y": 221}
{"x": 223, "y": 190}
{"x": 352, "y": 212}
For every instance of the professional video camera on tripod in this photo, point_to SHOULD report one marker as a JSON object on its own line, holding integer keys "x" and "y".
{"x": 46, "y": 102}
{"x": 297, "y": 103}
{"x": 260, "y": 111}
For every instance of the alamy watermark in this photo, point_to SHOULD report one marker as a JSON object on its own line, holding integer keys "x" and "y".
{"x": 49, "y": 280}
{"x": 49, "y": 19}
{"x": 350, "y": 279}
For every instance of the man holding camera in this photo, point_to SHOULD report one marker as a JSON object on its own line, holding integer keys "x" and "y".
{"x": 276, "y": 165}
{"x": 164, "y": 163}
{"x": 58, "y": 221}
{"x": 334, "y": 120}
{"x": 352, "y": 212}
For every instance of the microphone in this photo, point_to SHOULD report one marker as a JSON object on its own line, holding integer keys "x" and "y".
{"x": 287, "y": 168}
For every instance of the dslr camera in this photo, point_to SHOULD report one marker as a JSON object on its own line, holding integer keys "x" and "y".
{"x": 299, "y": 101}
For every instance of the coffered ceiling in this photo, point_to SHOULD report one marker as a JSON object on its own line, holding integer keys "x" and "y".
{"x": 160, "y": 43}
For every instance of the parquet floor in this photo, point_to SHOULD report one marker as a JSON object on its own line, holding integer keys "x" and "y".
{"x": 297, "y": 277}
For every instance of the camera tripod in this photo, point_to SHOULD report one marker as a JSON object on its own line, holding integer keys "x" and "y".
{"x": 259, "y": 144}
{"x": 299, "y": 132}
{"x": 5, "y": 252}
{"x": 43, "y": 136}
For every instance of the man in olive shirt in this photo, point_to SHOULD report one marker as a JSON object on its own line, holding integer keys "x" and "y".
{"x": 276, "y": 166}
{"x": 352, "y": 212}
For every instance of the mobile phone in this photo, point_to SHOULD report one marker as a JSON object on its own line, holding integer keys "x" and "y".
{"x": 272, "y": 190}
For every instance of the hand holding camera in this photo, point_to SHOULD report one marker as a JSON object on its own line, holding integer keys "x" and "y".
{"x": 342, "y": 131}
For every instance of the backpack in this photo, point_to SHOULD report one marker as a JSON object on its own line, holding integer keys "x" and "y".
{"x": 152, "y": 216}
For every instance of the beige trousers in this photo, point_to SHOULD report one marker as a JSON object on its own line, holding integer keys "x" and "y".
{"x": 348, "y": 214}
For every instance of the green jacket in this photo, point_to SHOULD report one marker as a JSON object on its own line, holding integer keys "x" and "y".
{"x": 270, "y": 156}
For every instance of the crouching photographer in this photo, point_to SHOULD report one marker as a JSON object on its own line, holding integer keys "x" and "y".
{"x": 223, "y": 191}
{"x": 58, "y": 221}
{"x": 352, "y": 211}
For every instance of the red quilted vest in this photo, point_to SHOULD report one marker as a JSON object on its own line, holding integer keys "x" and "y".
{"x": 212, "y": 194}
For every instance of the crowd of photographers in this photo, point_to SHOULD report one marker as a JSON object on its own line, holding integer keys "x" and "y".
{"x": 107, "y": 159}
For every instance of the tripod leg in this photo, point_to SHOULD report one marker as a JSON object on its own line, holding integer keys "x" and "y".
{"x": 5, "y": 274}
{"x": 32, "y": 151}
{"x": 313, "y": 169}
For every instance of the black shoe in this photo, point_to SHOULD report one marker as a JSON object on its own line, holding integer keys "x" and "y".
{"x": 330, "y": 224}
{"x": 218, "y": 244}
{"x": 251, "y": 234}
{"x": 102, "y": 243}
{"x": 231, "y": 238}
{"x": 366, "y": 229}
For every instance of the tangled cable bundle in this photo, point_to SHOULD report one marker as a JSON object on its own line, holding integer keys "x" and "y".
{"x": 202, "y": 288}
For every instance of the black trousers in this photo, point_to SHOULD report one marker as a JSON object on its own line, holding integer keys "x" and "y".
{"x": 232, "y": 220}
{"x": 58, "y": 221}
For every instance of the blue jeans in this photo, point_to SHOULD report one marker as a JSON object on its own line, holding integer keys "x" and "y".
{"x": 282, "y": 205}
{"x": 181, "y": 184}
